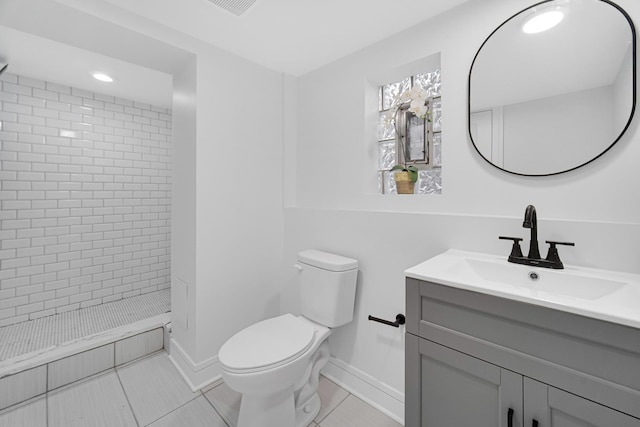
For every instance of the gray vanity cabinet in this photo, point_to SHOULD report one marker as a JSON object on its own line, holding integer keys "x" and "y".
{"x": 471, "y": 358}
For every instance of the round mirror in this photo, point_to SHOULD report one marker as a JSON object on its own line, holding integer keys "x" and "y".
{"x": 553, "y": 87}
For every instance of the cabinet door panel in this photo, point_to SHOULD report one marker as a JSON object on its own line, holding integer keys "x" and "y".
{"x": 552, "y": 407}
{"x": 568, "y": 410}
{"x": 458, "y": 390}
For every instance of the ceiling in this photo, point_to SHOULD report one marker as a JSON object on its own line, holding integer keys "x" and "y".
{"x": 290, "y": 36}
{"x": 43, "y": 59}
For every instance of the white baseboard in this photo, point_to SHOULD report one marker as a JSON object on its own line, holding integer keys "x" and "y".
{"x": 197, "y": 375}
{"x": 376, "y": 393}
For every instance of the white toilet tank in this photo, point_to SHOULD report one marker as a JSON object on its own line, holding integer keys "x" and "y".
{"x": 327, "y": 287}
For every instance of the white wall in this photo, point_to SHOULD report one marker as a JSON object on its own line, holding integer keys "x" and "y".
{"x": 183, "y": 204}
{"x": 335, "y": 209}
{"x": 233, "y": 218}
{"x": 238, "y": 196}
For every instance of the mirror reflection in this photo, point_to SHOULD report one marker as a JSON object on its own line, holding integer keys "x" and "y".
{"x": 552, "y": 99}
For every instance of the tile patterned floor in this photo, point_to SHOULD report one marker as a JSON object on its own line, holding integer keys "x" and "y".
{"x": 150, "y": 392}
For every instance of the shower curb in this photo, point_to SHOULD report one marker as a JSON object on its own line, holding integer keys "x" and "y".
{"x": 31, "y": 375}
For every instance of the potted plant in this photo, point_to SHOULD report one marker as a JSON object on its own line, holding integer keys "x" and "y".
{"x": 414, "y": 101}
{"x": 406, "y": 177}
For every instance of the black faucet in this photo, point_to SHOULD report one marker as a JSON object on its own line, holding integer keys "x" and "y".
{"x": 533, "y": 258}
{"x": 531, "y": 221}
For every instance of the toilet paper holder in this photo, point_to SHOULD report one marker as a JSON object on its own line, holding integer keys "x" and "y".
{"x": 400, "y": 320}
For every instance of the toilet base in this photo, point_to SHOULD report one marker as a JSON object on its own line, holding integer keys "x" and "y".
{"x": 277, "y": 410}
{"x": 269, "y": 411}
{"x": 306, "y": 413}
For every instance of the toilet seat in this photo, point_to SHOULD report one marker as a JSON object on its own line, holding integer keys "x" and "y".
{"x": 267, "y": 344}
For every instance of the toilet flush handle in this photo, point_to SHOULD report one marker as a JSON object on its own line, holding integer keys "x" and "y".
{"x": 297, "y": 267}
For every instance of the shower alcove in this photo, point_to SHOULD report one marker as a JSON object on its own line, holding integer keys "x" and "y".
{"x": 85, "y": 225}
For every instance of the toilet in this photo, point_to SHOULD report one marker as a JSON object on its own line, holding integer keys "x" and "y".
{"x": 275, "y": 364}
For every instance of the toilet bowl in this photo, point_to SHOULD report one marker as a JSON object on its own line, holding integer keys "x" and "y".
{"x": 275, "y": 364}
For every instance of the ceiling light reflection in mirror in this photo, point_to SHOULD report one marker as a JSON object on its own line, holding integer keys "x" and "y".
{"x": 542, "y": 21}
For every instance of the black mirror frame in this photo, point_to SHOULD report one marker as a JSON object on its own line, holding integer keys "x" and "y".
{"x": 633, "y": 106}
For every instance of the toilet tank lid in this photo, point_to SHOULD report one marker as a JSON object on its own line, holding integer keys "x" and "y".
{"x": 326, "y": 260}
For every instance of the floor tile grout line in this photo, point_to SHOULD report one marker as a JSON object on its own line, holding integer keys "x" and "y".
{"x": 132, "y": 363}
{"x": 46, "y": 397}
{"x": 337, "y": 406}
{"x": 126, "y": 396}
{"x": 17, "y": 405}
{"x": 139, "y": 359}
{"x": 213, "y": 406}
{"x": 171, "y": 412}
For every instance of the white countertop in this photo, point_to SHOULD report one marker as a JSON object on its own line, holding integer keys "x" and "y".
{"x": 600, "y": 294}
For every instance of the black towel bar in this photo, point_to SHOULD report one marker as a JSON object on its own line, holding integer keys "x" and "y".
{"x": 400, "y": 320}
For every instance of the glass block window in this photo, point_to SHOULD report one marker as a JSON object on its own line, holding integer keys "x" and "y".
{"x": 387, "y": 155}
{"x": 391, "y": 91}
{"x": 408, "y": 139}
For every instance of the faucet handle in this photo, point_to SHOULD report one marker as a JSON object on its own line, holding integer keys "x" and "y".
{"x": 515, "y": 249}
{"x": 553, "y": 243}
{"x": 552, "y": 255}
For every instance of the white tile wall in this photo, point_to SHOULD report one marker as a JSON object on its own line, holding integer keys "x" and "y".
{"x": 85, "y": 188}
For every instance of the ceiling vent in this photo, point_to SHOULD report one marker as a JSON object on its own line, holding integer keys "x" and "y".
{"x": 237, "y": 7}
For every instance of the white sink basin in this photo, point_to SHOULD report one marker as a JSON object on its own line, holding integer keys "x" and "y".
{"x": 601, "y": 294}
{"x": 540, "y": 280}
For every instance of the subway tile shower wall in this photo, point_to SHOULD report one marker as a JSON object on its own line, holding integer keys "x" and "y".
{"x": 85, "y": 192}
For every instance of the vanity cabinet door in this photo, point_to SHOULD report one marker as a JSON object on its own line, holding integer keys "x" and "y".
{"x": 446, "y": 388}
{"x": 551, "y": 407}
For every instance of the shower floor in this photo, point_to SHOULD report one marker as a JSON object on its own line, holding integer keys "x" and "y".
{"x": 51, "y": 332}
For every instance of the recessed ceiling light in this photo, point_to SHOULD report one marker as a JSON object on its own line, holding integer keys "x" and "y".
{"x": 542, "y": 21}
{"x": 102, "y": 77}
